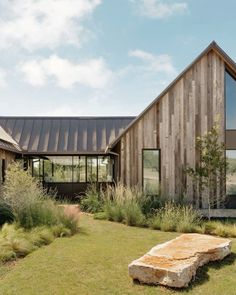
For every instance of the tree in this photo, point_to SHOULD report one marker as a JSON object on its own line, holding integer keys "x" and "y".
{"x": 210, "y": 173}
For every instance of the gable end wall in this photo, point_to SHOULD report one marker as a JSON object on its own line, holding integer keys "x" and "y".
{"x": 186, "y": 111}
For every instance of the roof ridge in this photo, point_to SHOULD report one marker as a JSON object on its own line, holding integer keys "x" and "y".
{"x": 212, "y": 46}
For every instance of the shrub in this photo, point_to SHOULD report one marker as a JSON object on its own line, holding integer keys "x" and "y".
{"x": 6, "y": 214}
{"x": 220, "y": 228}
{"x": 91, "y": 202}
{"x": 30, "y": 204}
{"x": 122, "y": 204}
{"x": 114, "y": 211}
{"x": 174, "y": 217}
{"x": 133, "y": 215}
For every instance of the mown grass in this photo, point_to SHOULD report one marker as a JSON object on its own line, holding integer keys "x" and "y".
{"x": 95, "y": 262}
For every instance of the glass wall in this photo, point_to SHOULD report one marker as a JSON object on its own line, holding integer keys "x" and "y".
{"x": 151, "y": 173}
{"x": 230, "y": 94}
{"x": 73, "y": 169}
{"x": 105, "y": 169}
{"x": 231, "y": 172}
{"x": 79, "y": 169}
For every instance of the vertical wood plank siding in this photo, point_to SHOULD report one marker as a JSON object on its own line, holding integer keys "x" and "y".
{"x": 186, "y": 111}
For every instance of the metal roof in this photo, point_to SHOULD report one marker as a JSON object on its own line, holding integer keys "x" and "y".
{"x": 64, "y": 135}
{"x": 8, "y": 146}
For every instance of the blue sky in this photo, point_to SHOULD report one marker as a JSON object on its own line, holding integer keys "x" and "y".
{"x": 102, "y": 57}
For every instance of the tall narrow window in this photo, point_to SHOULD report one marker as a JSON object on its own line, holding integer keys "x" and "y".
{"x": 231, "y": 172}
{"x": 151, "y": 171}
{"x": 92, "y": 169}
{"x": 79, "y": 169}
{"x": 105, "y": 168}
{"x": 61, "y": 168}
{"x": 230, "y": 97}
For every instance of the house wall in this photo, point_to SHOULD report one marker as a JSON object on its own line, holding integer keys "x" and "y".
{"x": 8, "y": 157}
{"x": 186, "y": 111}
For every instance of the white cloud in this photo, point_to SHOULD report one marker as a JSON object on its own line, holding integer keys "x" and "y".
{"x": 93, "y": 73}
{"x": 2, "y": 78}
{"x": 156, "y": 63}
{"x": 35, "y": 24}
{"x": 160, "y": 9}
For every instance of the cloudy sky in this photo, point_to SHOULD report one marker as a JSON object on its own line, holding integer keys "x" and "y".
{"x": 102, "y": 57}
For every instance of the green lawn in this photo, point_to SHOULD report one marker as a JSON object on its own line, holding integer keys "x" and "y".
{"x": 95, "y": 262}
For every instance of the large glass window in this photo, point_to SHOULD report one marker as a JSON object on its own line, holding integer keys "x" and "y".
{"x": 37, "y": 168}
{"x": 61, "y": 168}
{"x": 151, "y": 173}
{"x": 79, "y": 169}
{"x": 92, "y": 165}
{"x": 230, "y": 94}
{"x": 73, "y": 168}
{"x": 231, "y": 172}
{"x": 105, "y": 169}
{"x": 48, "y": 170}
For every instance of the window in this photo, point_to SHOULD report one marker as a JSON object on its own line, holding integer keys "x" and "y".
{"x": 92, "y": 169}
{"x": 151, "y": 173}
{"x": 105, "y": 168}
{"x": 230, "y": 94}
{"x": 79, "y": 169}
{"x": 61, "y": 168}
{"x": 37, "y": 168}
{"x": 73, "y": 169}
{"x": 231, "y": 172}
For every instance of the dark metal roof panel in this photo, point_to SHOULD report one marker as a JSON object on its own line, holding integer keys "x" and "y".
{"x": 8, "y": 146}
{"x": 64, "y": 135}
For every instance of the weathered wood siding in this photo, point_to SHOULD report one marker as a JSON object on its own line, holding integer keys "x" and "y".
{"x": 186, "y": 111}
{"x": 8, "y": 156}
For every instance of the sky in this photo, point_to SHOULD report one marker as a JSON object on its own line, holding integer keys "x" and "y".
{"x": 102, "y": 57}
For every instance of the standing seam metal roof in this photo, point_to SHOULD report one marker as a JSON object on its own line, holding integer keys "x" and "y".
{"x": 64, "y": 135}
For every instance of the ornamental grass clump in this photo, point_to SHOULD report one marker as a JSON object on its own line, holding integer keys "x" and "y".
{"x": 91, "y": 202}
{"x": 29, "y": 203}
{"x": 36, "y": 217}
{"x": 180, "y": 218}
{"x": 123, "y": 204}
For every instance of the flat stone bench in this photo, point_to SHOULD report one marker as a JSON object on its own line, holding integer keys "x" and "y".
{"x": 175, "y": 262}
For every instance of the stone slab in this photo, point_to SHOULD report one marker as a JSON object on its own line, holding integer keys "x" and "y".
{"x": 174, "y": 263}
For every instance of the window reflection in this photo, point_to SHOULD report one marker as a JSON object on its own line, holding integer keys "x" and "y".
{"x": 91, "y": 169}
{"x": 151, "y": 172}
{"x": 230, "y": 93}
{"x": 79, "y": 169}
{"x": 231, "y": 172}
{"x": 73, "y": 168}
{"x": 104, "y": 169}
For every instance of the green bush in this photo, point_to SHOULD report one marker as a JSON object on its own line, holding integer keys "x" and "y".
{"x": 6, "y": 214}
{"x": 30, "y": 204}
{"x": 91, "y": 202}
{"x": 133, "y": 215}
{"x": 220, "y": 228}
{"x": 174, "y": 217}
{"x": 122, "y": 204}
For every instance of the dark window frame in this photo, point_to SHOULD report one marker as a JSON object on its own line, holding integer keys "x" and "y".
{"x": 86, "y": 168}
{"x": 233, "y": 75}
{"x": 159, "y": 168}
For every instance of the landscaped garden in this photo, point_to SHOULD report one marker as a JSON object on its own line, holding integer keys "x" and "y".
{"x": 95, "y": 261}
{"x": 30, "y": 218}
